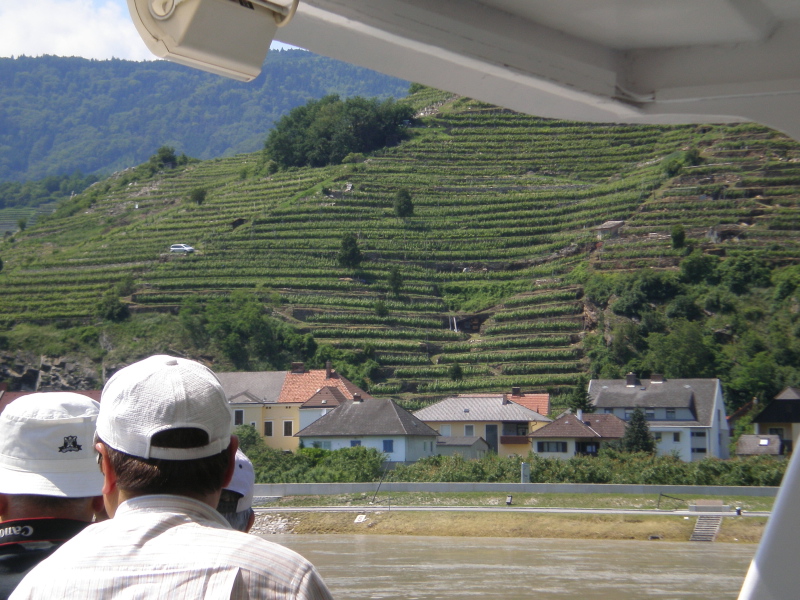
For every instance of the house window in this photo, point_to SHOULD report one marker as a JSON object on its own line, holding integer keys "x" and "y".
{"x": 268, "y": 428}
{"x": 776, "y": 431}
{"x": 444, "y": 430}
{"x": 238, "y": 417}
{"x": 657, "y": 436}
{"x": 388, "y": 446}
{"x": 699, "y": 450}
{"x": 650, "y": 414}
{"x": 354, "y": 443}
{"x": 699, "y": 434}
{"x": 469, "y": 430}
{"x": 287, "y": 428}
{"x": 326, "y": 445}
{"x": 628, "y": 413}
{"x": 676, "y": 437}
{"x": 670, "y": 414}
{"x": 551, "y": 446}
{"x": 253, "y": 424}
{"x": 609, "y": 411}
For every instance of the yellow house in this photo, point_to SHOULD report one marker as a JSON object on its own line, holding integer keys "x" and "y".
{"x": 504, "y": 425}
{"x": 270, "y": 400}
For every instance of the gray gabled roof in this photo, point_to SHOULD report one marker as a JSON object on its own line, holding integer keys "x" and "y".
{"x": 263, "y": 385}
{"x": 371, "y": 416}
{"x": 477, "y": 409}
{"x": 695, "y": 394}
{"x": 790, "y": 393}
{"x": 754, "y": 445}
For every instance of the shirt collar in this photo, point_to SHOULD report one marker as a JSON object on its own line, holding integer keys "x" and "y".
{"x": 162, "y": 503}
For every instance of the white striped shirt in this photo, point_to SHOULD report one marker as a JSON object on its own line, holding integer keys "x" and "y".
{"x": 170, "y": 548}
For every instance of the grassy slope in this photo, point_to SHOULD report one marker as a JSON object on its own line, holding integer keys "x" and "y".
{"x": 504, "y": 209}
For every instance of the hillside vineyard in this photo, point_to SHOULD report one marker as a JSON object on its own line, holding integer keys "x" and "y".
{"x": 505, "y": 207}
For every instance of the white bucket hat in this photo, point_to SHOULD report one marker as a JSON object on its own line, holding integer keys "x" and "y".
{"x": 243, "y": 481}
{"x": 158, "y": 394}
{"x": 47, "y": 447}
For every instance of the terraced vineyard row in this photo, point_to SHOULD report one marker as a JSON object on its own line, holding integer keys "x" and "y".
{"x": 505, "y": 207}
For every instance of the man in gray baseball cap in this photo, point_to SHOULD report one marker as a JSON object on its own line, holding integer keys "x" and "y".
{"x": 167, "y": 452}
{"x": 50, "y": 486}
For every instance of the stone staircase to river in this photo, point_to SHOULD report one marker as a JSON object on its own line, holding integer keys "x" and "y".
{"x": 706, "y": 528}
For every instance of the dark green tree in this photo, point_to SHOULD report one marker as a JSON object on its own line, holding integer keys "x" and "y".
{"x": 395, "y": 280}
{"x": 326, "y": 131}
{"x": 349, "y": 253}
{"x": 579, "y": 398}
{"x": 403, "y": 205}
{"x": 637, "y": 436}
{"x": 684, "y": 352}
{"x": 744, "y": 271}
{"x": 22, "y": 224}
{"x": 111, "y": 308}
{"x": 455, "y": 372}
{"x": 198, "y": 195}
{"x": 678, "y": 235}
{"x": 164, "y": 158}
{"x": 380, "y": 308}
{"x": 699, "y": 267}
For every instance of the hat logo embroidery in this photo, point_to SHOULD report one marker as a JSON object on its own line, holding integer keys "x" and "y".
{"x": 70, "y": 444}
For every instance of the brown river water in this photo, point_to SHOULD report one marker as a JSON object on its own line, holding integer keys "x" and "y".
{"x": 367, "y": 567}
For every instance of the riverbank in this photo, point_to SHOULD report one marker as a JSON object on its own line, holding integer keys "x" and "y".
{"x": 666, "y": 527}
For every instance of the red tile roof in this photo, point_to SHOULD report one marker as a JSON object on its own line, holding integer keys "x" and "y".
{"x": 300, "y": 387}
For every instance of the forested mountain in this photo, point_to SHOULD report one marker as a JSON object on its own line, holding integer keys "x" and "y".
{"x": 61, "y": 115}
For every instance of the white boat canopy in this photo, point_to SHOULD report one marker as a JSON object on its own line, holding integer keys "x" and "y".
{"x": 630, "y": 61}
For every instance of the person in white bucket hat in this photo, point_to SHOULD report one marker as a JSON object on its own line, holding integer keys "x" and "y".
{"x": 164, "y": 436}
{"x": 50, "y": 485}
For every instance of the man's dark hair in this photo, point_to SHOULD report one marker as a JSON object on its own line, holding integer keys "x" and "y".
{"x": 37, "y": 504}
{"x": 144, "y": 476}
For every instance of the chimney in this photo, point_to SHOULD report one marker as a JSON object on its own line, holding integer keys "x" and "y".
{"x": 631, "y": 380}
{"x": 656, "y": 378}
{"x": 505, "y": 399}
{"x": 580, "y": 415}
{"x": 357, "y": 397}
{"x": 298, "y": 367}
{"x": 328, "y": 366}
{"x": 515, "y": 391}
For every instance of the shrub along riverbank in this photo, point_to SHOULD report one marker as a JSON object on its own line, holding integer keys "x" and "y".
{"x": 361, "y": 464}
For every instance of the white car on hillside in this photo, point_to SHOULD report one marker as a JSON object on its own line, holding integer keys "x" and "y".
{"x": 185, "y": 248}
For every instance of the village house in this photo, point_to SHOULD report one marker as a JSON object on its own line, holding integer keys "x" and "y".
{"x": 502, "y": 423}
{"x": 372, "y": 423}
{"x": 686, "y": 416}
{"x": 574, "y": 434}
{"x": 781, "y": 417}
{"x": 273, "y": 401}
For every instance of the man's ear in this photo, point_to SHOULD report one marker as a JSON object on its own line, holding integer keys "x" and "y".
{"x": 231, "y": 461}
{"x": 109, "y": 475}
